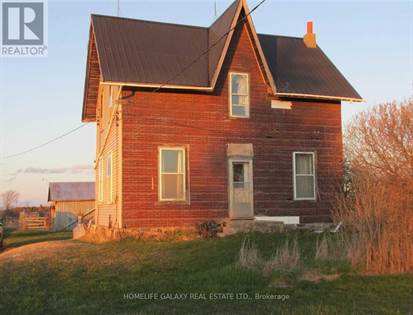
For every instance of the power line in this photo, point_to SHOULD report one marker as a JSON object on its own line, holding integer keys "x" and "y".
{"x": 155, "y": 90}
{"x": 45, "y": 143}
{"x": 208, "y": 49}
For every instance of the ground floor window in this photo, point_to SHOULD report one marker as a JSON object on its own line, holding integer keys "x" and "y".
{"x": 304, "y": 176}
{"x": 172, "y": 174}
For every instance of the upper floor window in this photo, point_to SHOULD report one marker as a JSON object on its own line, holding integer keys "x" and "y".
{"x": 239, "y": 95}
{"x": 304, "y": 176}
{"x": 172, "y": 166}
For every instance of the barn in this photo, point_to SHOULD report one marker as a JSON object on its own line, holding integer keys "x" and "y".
{"x": 69, "y": 200}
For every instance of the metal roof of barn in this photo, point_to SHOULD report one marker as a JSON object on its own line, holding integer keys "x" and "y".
{"x": 71, "y": 191}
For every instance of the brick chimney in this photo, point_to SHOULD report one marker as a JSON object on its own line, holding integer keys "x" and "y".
{"x": 309, "y": 37}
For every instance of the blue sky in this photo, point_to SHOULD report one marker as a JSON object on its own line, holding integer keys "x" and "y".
{"x": 371, "y": 42}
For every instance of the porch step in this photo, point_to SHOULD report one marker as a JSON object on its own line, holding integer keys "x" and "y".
{"x": 231, "y": 227}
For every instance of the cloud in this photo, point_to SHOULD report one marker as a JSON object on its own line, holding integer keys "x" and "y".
{"x": 75, "y": 169}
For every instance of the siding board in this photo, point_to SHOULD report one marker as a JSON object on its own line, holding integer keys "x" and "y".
{"x": 201, "y": 122}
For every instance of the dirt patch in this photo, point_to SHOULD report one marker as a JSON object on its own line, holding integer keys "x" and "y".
{"x": 36, "y": 251}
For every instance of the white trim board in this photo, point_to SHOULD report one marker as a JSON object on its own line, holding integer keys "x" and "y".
{"x": 283, "y": 219}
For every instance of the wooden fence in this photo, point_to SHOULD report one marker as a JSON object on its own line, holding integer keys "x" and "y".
{"x": 34, "y": 222}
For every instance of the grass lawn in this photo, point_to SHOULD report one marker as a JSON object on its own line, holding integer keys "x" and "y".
{"x": 90, "y": 279}
{"x": 16, "y": 238}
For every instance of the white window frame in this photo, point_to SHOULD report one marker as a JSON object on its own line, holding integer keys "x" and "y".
{"x": 183, "y": 150}
{"x": 247, "y": 107}
{"x": 295, "y": 176}
{"x": 100, "y": 180}
{"x": 109, "y": 178}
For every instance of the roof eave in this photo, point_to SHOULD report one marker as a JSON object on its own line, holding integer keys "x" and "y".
{"x": 159, "y": 85}
{"x": 323, "y": 97}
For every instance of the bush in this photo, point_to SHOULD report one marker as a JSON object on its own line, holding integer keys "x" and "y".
{"x": 209, "y": 229}
{"x": 377, "y": 208}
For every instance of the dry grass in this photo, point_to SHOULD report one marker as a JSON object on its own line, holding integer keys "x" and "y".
{"x": 378, "y": 222}
{"x": 98, "y": 234}
{"x": 286, "y": 258}
{"x": 322, "y": 249}
{"x": 249, "y": 256}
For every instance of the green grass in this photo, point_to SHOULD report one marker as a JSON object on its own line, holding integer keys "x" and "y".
{"x": 90, "y": 279}
{"x": 16, "y": 238}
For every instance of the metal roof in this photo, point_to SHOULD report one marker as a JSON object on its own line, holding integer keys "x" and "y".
{"x": 138, "y": 51}
{"x": 71, "y": 191}
{"x": 148, "y": 53}
{"x": 299, "y": 70}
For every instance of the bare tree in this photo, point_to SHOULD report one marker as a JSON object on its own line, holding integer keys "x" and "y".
{"x": 378, "y": 213}
{"x": 380, "y": 141}
{"x": 10, "y": 199}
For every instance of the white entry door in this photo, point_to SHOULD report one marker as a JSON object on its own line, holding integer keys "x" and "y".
{"x": 241, "y": 205}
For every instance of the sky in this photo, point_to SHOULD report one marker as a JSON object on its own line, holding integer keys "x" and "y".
{"x": 371, "y": 42}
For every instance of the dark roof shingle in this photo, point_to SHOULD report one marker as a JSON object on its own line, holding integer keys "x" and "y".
{"x": 145, "y": 52}
{"x": 297, "y": 69}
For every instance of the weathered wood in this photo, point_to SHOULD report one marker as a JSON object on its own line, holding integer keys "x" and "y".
{"x": 201, "y": 123}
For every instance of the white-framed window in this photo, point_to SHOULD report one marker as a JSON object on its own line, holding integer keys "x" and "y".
{"x": 100, "y": 180}
{"x": 239, "y": 99}
{"x": 304, "y": 176}
{"x": 172, "y": 174}
{"x": 109, "y": 177}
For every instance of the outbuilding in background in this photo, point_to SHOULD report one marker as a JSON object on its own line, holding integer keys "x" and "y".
{"x": 69, "y": 200}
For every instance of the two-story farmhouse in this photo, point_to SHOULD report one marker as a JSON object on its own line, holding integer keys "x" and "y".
{"x": 198, "y": 123}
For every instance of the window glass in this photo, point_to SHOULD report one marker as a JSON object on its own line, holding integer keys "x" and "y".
{"x": 172, "y": 161}
{"x": 304, "y": 176}
{"x": 172, "y": 174}
{"x": 239, "y": 84}
{"x": 304, "y": 164}
{"x": 239, "y": 97}
{"x": 238, "y": 170}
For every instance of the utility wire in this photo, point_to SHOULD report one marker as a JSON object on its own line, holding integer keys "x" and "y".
{"x": 155, "y": 90}
{"x": 45, "y": 143}
{"x": 209, "y": 48}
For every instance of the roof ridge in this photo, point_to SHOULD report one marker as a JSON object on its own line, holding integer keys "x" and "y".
{"x": 149, "y": 21}
{"x": 222, "y": 14}
{"x": 276, "y": 35}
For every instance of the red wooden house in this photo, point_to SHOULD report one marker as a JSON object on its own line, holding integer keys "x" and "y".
{"x": 199, "y": 123}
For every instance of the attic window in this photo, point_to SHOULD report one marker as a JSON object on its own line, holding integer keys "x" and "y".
{"x": 239, "y": 98}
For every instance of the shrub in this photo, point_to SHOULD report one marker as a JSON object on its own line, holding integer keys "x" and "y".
{"x": 209, "y": 229}
{"x": 377, "y": 208}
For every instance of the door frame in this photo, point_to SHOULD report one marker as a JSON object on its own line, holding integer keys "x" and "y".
{"x": 231, "y": 210}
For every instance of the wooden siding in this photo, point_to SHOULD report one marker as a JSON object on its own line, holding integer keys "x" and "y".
{"x": 108, "y": 210}
{"x": 90, "y": 97}
{"x": 201, "y": 122}
{"x": 75, "y": 207}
